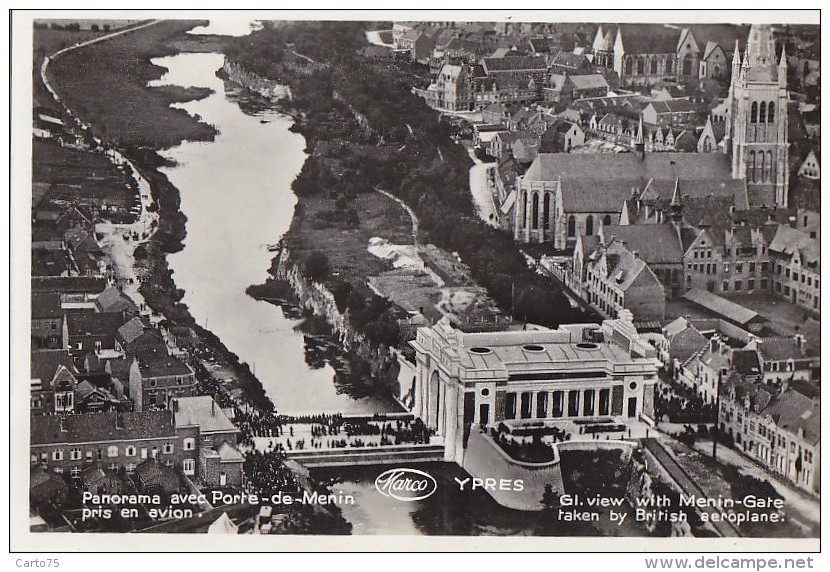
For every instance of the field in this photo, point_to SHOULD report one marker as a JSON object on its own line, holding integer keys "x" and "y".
{"x": 323, "y": 228}
{"x": 93, "y": 79}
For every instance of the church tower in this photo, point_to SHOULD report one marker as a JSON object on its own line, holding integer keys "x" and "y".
{"x": 757, "y": 119}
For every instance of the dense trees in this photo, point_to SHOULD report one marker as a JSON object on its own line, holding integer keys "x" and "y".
{"x": 355, "y": 104}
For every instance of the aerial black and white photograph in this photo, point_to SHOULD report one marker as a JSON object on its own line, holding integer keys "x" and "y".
{"x": 515, "y": 275}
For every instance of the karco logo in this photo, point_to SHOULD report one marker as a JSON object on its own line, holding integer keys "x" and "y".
{"x": 406, "y": 484}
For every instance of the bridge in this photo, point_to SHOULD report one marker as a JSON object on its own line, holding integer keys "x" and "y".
{"x": 382, "y": 455}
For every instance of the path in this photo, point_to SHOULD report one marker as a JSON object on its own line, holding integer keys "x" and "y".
{"x": 689, "y": 487}
{"x": 412, "y": 216}
{"x": 116, "y": 239}
{"x": 480, "y": 175}
{"x": 806, "y": 507}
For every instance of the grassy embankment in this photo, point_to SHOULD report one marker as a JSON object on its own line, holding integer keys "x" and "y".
{"x": 366, "y": 129}
{"x": 105, "y": 85}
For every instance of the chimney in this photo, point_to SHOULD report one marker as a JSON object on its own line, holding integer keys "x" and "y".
{"x": 175, "y": 403}
{"x": 212, "y": 407}
{"x": 801, "y": 342}
{"x": 714, "y": 342}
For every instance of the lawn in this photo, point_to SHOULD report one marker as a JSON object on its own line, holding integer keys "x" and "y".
{"x": 322, "y": 227}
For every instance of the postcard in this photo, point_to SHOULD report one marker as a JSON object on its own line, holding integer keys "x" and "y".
{"x": 416, "y": 280}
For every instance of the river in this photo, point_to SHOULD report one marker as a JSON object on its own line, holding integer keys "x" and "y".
{"x": 236, "y": 194}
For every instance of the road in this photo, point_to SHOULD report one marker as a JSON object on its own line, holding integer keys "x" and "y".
{"x": 120, "y": 250}
{"x": 480, "y": 188}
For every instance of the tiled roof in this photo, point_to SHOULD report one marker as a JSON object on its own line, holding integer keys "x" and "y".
{"x": 726, "y": 308}
{"x": 672, "y": 106}
{"x": 624, "y": 269}
{"x": 203, "y": 411}
{"x": 131, "y": 330}
{"x": 570, "y": 60}
{"x": 69, "y": 284}
{"x": 746, "y": 362}
{"x": 44, "y": 364}
{"x": 229, "y": 454}
{"x": 113, "y": 300}
{"x": 594, "y": 195}
{"x": 161, "y": 365}
{"x": 588, "y": 81}
{"x": 788, "y": 240}
{"x": 46, "y": 305}
{"x": 649, "y": 38}
{"x": 94, "y": 324}
{"x": 779, "y": 349}
{"x": 690, "y": 168}
{"x": 521, "y": 63}
{"x": 793, "y": 411}
{"x": 101, "y": 427}
{"x": 655, "y": 243}
{"x": 687, "y": 343}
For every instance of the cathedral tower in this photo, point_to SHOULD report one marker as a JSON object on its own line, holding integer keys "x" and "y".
{"x": 757, "y": 121}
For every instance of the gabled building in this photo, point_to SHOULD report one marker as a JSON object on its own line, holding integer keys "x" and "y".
{"x": 53, "y": 380}
{"x": 156, "y": 378}
{"x": 617, "y": 279}
{"x": 779, "y": 429}
{"x": 796, "y": 256}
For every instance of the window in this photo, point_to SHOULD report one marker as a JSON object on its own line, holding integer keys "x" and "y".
{"x": 752, "y": 267}
{"x": 130, "y": 451}
{"x": 571, "y": 226}
{"x": 75, "y": 454}
{"x": 738, "y": 284}
{"x": 89, "y": 455}
{"x": 167, "y": 448}
{"x": 725, "y": 286}
{"x": 189, "y": 467}
{"x": 762, "y": 116}
{"x": 750, "y": 284}
{"x": 130, "y": 468}
{"x": 112, "y": 451}
{"x": 75, "y": 471}
{"x": 763, "y": 283}
{"x": 189, "y": 444}
{"x": 771, "y": 112}
{"x": 589, "y": 225}
{"x": 57, "y": 455}
{"x": 739, "y": 268}
{"x": 753, "y": 116}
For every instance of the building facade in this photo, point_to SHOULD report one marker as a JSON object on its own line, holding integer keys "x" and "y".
{"x": 579, "y": 371}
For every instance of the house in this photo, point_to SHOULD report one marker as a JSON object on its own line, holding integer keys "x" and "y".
{"x": 561, "y": 137}
{"x": 220, "y": 461}
{"x": 810, "y": 169}
{"x": 570, "y": 64}
{"x": 670, "y": 113}
{"x": 114, "y": 300}
{"x": 46, "y": 320}
{"x": 680, "y": 342}
{"x": 784, "y": 359}
{"x": 779, "y": 429}
{"x": 796, "y": 258}
{"x": 153, "y": 476}
{"x": 156, "y": 377}
{"x": 72, "y": 443}
{"x": 585, "y": 86}
{"x": 53, "y": 379}
{"x": 90, "y": 398}
{"x": 617, "y": 279}
{"x": 85, "y": 332}
{"x": 707, "y": 368}
{"x": 658, "y": 245}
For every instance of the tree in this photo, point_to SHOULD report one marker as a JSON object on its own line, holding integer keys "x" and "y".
{"x": 317, "y": 266}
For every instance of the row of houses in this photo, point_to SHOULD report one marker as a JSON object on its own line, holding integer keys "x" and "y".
{"x": 765, "y": 388}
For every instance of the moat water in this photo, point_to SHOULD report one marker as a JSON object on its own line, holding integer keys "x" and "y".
{"x": 236, "y": 194}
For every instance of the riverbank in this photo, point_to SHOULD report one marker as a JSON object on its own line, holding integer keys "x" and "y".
{"x": 129, "y": 115}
